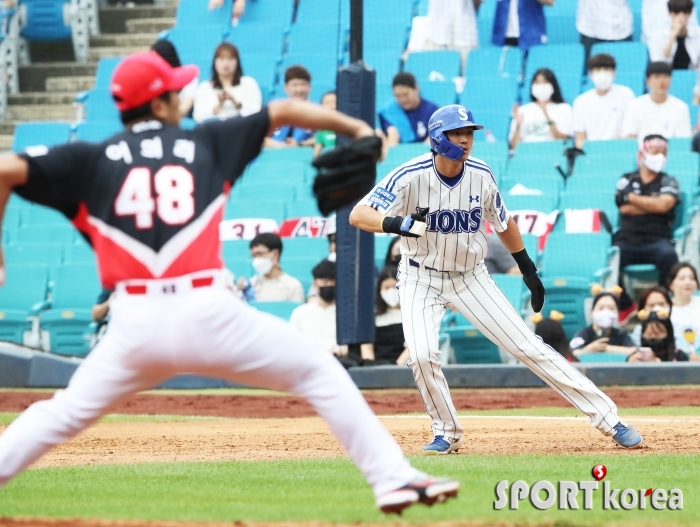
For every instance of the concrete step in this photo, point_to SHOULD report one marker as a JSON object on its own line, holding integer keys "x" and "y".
{"x": 126, "y": 40}
{"x": 33, "y": 77}
{"x": 5, "y": 143}
{"x": 42, "y": 97}
{"x": 114, "y": 19}
{"x": 73, "y": 84}
{"x": 149, "y": 25}
{"x": 41, "y": 112}
{"x": 101, "y": 53}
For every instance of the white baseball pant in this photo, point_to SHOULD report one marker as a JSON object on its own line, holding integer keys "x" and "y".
{"x": 207, "y": 331}
{"x": 424, "y": 296}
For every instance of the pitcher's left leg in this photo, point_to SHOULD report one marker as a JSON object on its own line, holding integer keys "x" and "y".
{"x": 480, "y": 300}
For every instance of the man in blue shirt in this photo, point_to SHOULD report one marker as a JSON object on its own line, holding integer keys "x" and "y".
{"x": 405, "y": 120}
{"x": 297, "y": 85}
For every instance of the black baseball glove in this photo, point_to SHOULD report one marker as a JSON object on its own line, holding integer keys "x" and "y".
{"x": 531, "y": 279}
{"x": 346, "y": 173}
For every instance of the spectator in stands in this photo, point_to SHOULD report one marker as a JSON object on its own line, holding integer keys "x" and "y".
{"x": 393, "y": 253}
{"x": 598, "y": 113}
{"x": 657, "y": 112}
{"x": 646, "y": 200}
{"x": 317, "y": 316}
{"x": 229, "y": 92}
{"x": 405, "y": 120}
{"x": 603, "y": 21}
{"x": 678, "y": 43}
{"x": 685, "y": 314}
{"x": 498, "y": 260}
{"x": 297, "y": 85}
{"x": 452, "y": 25}
{"x": 326, "y": 138}
{"x": 656, "y": 18}
{"x": 546, "y": 118}
{"x": 657, "y": 334}
{"x": 270, "y": 283}
{"x": 165, "y": 49}
{"x": 520, "y": 23}
{"x": 552, "y": 333}
{"x": 389, "y": 346}
{"x": 653, "y": 299}
{"x": 603, "y": 335}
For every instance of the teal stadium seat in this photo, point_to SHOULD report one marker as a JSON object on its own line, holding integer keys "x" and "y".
{"x": 195, "y": 44}
{"x": 433, "y": 65}
{"x": 190, "y": 15}
{"x": 105, "y": 70}
{"x": 33, "y": 134}
{"x": 100, "y": 106}
{"x": 301, "y": 209}
{"x": 565, "y": 60}
{"x": 492, "y": 61}
{"x": 26, "y": 286}
{"x": 561, "y": 23}
{"x": 602, "y": 357}
{"x": 40, "y": 216}
{"x": 65, "y": 325}
{"x": 79, "y": 253}
{"x": 682, "y": 84}
{"x": 470, "y": 345}
{"x": 441, "y": 93}
{"x": 597, "y": 198}
{"x": 513, "y": 287}
{"x": 381, "y": 246}
{"x": 281, "y": 310}
{"x": 240, "y": 209}
{"x": 32, "y": 254}
{"x": 97, "y": 131}
{"x": 314, "y": 249}
{"x": 34, "y": 235}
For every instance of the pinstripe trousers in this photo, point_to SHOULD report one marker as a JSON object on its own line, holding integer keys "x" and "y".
{"x": 424, "y": 296}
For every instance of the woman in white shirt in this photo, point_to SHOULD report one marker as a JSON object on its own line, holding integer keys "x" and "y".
{"x": 546, "y": 118}
{"x": 229, "y": 92}
{"x": 685, "y": 316}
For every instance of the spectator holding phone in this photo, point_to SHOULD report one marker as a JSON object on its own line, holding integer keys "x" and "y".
{"x": 657, "y": 334}
{"x": 229, "y": 92}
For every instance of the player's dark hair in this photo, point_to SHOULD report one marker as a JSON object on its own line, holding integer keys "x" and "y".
{"x": 600, "y": 296}
{"x": 404, "y": 78}
{"x": 553, "y": 335}
{"x": 677, "y": 267}
{"x": 656, "y": 289}
{"x": 269, "y": 240}
{"x": 551, "y": 79}
{"x": 387, "y": 259}
{"x": 325, "y": 269}
{"x": 297, "y": 72}
{"x": 386, "y": 273}
{"x": 140, "y": 112}
{"x": 167, "y": 51}
{"x": 680, "y": 6}
{"x": 233, "y": 50}
{"x": 601, "y": 61}
{"x": 658, "y": 68}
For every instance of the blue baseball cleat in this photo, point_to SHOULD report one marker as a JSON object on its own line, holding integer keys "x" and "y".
{"x": 627, "y": 436}
{"x": 440, "y": 445}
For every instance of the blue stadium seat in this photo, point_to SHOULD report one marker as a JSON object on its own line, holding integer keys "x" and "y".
{"x": 313, "y": 249}
{"x": 105, "y": 70}
{"x": 492, "y": 61}
{"x": 321, "y": 11}
{"x": 45, "y": 21}
{"x": 602, "y": 357}
{"x": 260, "y": 13}
{"x": 565, "y": 60}
{"x": 441, "y": 93}
{"x": 433, "y": 65}
{"x": 497, "y": 94}
{"x": 100, "y": 106}
{"x": 381, "y": 246}
{"x": 614, "y": 147}
{"x": 97, "y": 131}
{"x": 299, "y": 209}
{"x": 281, "y": 310}
{"x": 496, "y": 122}
{"x": 561, "y": 25}
{"x": 196, "y": 45}
{"x": 191, "y": 14}
{"x": 47, "y": 134}
{"x": 40, "y": 216}
{"x": 598, "y": 198}
{"x": 262, "y": 67}
{"x": 26, "y": 286}
{"x": 676, "y": 144}
{"x": 50, "y": 255}
{"x": 513, "y": 287}
{"x": 46, "y": 234}
{"x": 79, "y": 253}
{"x": 65, "y": 325}
{"x": 470, "y": 345}
{"x": 323, "y": 67}
{"x": 682, "y": 83}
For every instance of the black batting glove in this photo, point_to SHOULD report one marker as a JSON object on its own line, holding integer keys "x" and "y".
{"x": 412, "y": 226}
{"x": 531, "y": 279}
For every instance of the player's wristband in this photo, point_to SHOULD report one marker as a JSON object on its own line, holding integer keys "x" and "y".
{"x": 392, "y": 224}
{"x": 525, "y": 263}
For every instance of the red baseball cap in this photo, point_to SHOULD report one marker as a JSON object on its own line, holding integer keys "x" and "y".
{"x": 142, "y": 77}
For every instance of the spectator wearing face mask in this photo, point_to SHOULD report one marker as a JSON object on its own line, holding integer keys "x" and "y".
{"x": 389, "y": 346}
{"x": 546, "y": 118}
{"x": 270, "y": 283}
{"x": 603, "y": 335}
{"x": 598, "y": 113}
{"x": 317, "y": 317}
{"x": 647, "y": 200}
{"x": 657, "y": 334}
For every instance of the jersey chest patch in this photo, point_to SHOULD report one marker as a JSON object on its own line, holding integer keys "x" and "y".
{"x": 455, "y": 220}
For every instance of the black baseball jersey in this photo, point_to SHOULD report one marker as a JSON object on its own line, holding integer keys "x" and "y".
{"x": 149, "y": 199}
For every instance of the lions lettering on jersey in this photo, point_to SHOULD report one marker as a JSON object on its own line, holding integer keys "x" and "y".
{"x": 447, "y": 221}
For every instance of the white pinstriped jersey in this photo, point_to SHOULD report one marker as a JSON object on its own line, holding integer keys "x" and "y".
{"x": 455, "y": 239}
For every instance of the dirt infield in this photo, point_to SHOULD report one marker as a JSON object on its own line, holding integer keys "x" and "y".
{"x": 382, "y": 402}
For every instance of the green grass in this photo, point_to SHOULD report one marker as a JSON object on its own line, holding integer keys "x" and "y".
{"x": 332, "y": 490}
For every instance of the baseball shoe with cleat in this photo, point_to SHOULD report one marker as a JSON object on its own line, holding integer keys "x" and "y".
{"x": 426, "y": 490}
{"x": 627, "y": 436}
{"x": 442, "y": 445}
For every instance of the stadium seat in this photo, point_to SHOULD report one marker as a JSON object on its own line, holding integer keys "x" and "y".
{"x": 79, "y": 253}
{"x": 50, "y": 255}
{"x": 57, "y": 20}
{"x": 281, "y": 310}
{"x": 191, "y": 15}
{"x": 470, "y": 345}
{"x": 513, "y": 287}
{"x": 33, "y": 134}
{"x": 615, "y": 147}
{"x": 40, "y": 216}
{"x": 97, "y": 131}
{"x": 602, "y": 357}
{"x": 196, "y": 45}
{"x": 601, "y": 199}
{"x": 565, "y": 60}
{"x": 433, "y": 65}
{"x": 274, "y": 210}
{"x": 65, "y": 325}
{"x": 561, "y": 25}
{"x": 45, "y": 234}
{"x": 314, "y": 249}
{"x": 99, "y": 106}
{"x": 682, "y": 84}
{"x": 300, "y": 209}
{"x": 381, "y": 246}
{"x": 490, "y": 93}
{"x": 323, "y": 67}
{"x": 25, "y": 288}
{"x": 105, "y": 70}
{"x": 546, "y": 202}
{"x": 492, "y": 61}
{"x": 441, "y": 93}
{"x": 495, "y": 122}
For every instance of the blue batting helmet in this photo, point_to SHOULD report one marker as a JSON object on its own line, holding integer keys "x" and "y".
{"x": 449, "y": 117}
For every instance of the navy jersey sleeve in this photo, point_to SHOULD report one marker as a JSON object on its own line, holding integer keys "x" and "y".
{"x": 57, "y": 176}
{"x": 235, "y": 142}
